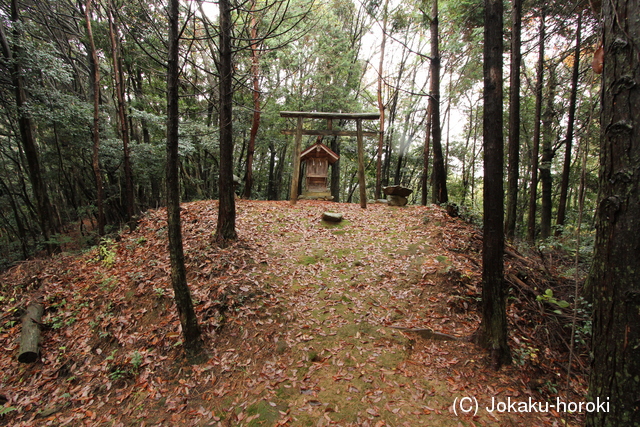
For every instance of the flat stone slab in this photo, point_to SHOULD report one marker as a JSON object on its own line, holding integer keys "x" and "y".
{"x": 332, "y": 217}
{"x": 397, "y": 190}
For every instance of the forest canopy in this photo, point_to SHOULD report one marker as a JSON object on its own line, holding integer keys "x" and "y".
{"x": 84, "y": 119}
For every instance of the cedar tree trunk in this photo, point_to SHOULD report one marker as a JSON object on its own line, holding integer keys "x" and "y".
{"x": 614, "y": 277}
{"x": 226, "y": 228}
{"x": 492, "y": 333}
{"x": 533, "y": 191}
{"x": 514, "y": 121}
{"x": 566, "y": 169}
{"x": 190, "y": 328}
{"x": 255, "y": 121}
{"x": 439, "y": 188}
{"x": 548, "y": 153}
{"x": 95, "y": 157}
{"x": 122, "y": 115}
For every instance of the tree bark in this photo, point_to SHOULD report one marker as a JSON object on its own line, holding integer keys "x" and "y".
{"x": 226, "y": 227}
{"x": 566, "y": 168}
{"x": 492, "y": 333}
{"x": 361, "y": 179}
{"x": 439, "y": 189}
{"x": 614, "y": 276}
{"x": 548, "y": 153}
{"x": 335, "y": 170}
{"x": 402, "y": 148}
{"x": 426, "y": 155}
{"x": 193, "y": 344}
{"x": 381, "y": 106}
{"x": 30, "y": 335}
{"x": 271, "y": 184}
{"x": 95, "y": 130}
{"x": 122, "y": 115}
{"x": 255, "y": 121}
{"x": 514, "y": 121}
{"x": 533, "y": 189}
{"x": 296, "y": 175}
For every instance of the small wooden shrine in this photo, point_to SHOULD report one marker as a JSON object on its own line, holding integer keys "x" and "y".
{"x": 317, "y": 159}
{"x": 318, "y": 177}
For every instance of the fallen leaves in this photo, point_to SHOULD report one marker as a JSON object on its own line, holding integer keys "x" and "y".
{"x": 295, "y": 317}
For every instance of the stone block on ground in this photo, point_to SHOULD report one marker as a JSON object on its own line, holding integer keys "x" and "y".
{"x": 397, "y": 200}
{"x": 332, "y": 217}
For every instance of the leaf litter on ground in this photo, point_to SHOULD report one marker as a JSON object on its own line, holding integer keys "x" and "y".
{"x": 297, "y": 317}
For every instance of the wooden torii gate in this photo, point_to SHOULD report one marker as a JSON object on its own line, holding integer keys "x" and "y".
{"x": 299, "y": 131}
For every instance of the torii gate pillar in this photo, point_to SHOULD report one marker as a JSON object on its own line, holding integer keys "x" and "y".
{"x": 359, "y": 134}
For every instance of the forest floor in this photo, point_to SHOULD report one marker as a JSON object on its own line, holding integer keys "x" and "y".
{"x": 298, "y": 318}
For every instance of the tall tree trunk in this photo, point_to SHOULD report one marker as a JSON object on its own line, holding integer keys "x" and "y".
{"x": 381, "y": 106}
{"x": 122, "y": 114}
{"x": 271, "y": 184}
{"x": 335, "y": 170}
{"x": 193, "y": 344}
{"x": 226, "y": 227}
{"x": 439, "y": 188}
{"x": 474, "y": 155}
{"x": 492, "y": 333}
{"x": 614, "y": 274}
{"x": 425, "y": 159}
{"x": 566, "y": 168}
{"x": 12, "y": 55}
{"x": 546, "y": 159}
{"x": 514, "y": 121}
{"x": 17, "y": 211}
{"x": 402, "y": 147}
{"x": 533, "y": 189}
{"x": 280, "y": 171}
{"x": 95, "y": 157}
{"x": 255, "y": 121}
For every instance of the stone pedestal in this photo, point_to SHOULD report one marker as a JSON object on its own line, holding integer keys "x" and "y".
{"x": 397, "y": 195}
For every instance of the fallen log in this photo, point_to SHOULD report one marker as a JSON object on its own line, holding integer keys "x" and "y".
{"x": 30, "y": 336}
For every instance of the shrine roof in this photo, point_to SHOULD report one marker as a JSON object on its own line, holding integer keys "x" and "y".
{"x": 319, "y": 150}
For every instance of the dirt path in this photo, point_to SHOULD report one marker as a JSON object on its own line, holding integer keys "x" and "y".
{"x": 298, "y": 319}
{"x": 343, "y": 286}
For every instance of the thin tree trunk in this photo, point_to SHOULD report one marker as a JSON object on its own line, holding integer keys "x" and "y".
{"x": 255, "y": 121}
{"x": 22, "y": 233}
{"x": 533, "y": 189}
{"x": 426, "y": 156}
{"x": 514, "y": 121}
{"x": 193, "y": 344}
{"x": 466, "y": 174}
{"x": 547, "y": 158}
{"x": 566, "y": 169}
{"x": 361, "y": 178}
{"x": 439, "y": 188}
{"x": 402, "y": 147}
{"x": 335, "y": 170}
{"x": 280, "y": 171}
{"x": 226, "y": 227}
{"x": 271, "y": 184}
{"x": 492, "y": 333}
{"x": 122, "y": 115}
{"x": 474, "y": 154}
{"x": 95, "y": 157}
{"x": 381, "y": 106}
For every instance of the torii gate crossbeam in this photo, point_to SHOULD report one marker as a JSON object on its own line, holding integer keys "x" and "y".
{"x": 299, "y": 131}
